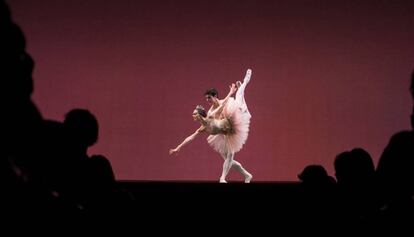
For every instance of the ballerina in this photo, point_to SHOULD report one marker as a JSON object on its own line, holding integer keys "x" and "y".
{"x": 227, "y": 123}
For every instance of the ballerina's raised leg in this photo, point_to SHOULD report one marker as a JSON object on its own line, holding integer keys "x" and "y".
{"x": 240, "y": 91}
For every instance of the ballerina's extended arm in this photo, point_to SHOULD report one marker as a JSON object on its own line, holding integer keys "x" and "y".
{"x": 187, "y": 140}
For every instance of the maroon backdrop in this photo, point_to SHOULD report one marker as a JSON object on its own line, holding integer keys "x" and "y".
{"x": 327, "y": 76}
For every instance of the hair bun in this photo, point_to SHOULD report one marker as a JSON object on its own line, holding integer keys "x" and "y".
{"x": 199, "y": 107}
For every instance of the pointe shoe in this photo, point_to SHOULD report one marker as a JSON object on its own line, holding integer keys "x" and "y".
{"x": 248, "y": 178}
{"x": 223, "y": 181}
{"x": 248, "y": 76}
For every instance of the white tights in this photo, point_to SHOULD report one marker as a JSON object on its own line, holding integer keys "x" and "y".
{"x": 229, "y": 162}
{"x": 240, "y": 92}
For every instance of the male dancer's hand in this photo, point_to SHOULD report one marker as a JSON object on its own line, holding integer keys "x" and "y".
{"x": 232, "y": 88}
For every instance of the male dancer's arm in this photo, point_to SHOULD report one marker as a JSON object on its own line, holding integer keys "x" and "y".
{"x": 219, "y": 109}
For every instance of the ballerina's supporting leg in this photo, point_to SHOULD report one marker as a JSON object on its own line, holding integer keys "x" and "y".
{"x": 226, "y": 168}
{"x": 229, "y": 162}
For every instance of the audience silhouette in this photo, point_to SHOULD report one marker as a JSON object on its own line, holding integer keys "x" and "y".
{"x": 20, "y": 121}
{"x": 395, "y": 172}
{"x": 317, "y": 192}
{"x": 43, "y": 163}
{"x": 95, "y": 176}
{"x": 355, "y": 175}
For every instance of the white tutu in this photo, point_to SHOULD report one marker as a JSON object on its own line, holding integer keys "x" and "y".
{"x": 239, "y": 117}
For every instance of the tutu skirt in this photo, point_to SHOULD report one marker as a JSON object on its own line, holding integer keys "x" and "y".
{"x": 239, "y": 118}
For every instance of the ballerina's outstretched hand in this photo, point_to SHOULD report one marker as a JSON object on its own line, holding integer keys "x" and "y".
{"x": 174, "y": 151}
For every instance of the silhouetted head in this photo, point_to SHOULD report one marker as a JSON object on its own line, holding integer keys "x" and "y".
{"x": 82, "y": 127}
{"x": 354, "y": 167}
{"x": 315, "y": 176}
{"x": 199, "y": 111}
{"x": 211, "y": 95}
{"x": 313, "y": 173}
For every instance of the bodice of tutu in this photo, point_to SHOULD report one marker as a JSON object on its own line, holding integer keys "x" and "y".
{"x": 218, "y": 126}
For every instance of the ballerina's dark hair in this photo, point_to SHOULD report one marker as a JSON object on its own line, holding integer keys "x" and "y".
{"x": 201, "y": 111}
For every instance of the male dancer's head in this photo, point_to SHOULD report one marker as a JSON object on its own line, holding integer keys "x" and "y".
{"x": 211, "y": 95}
